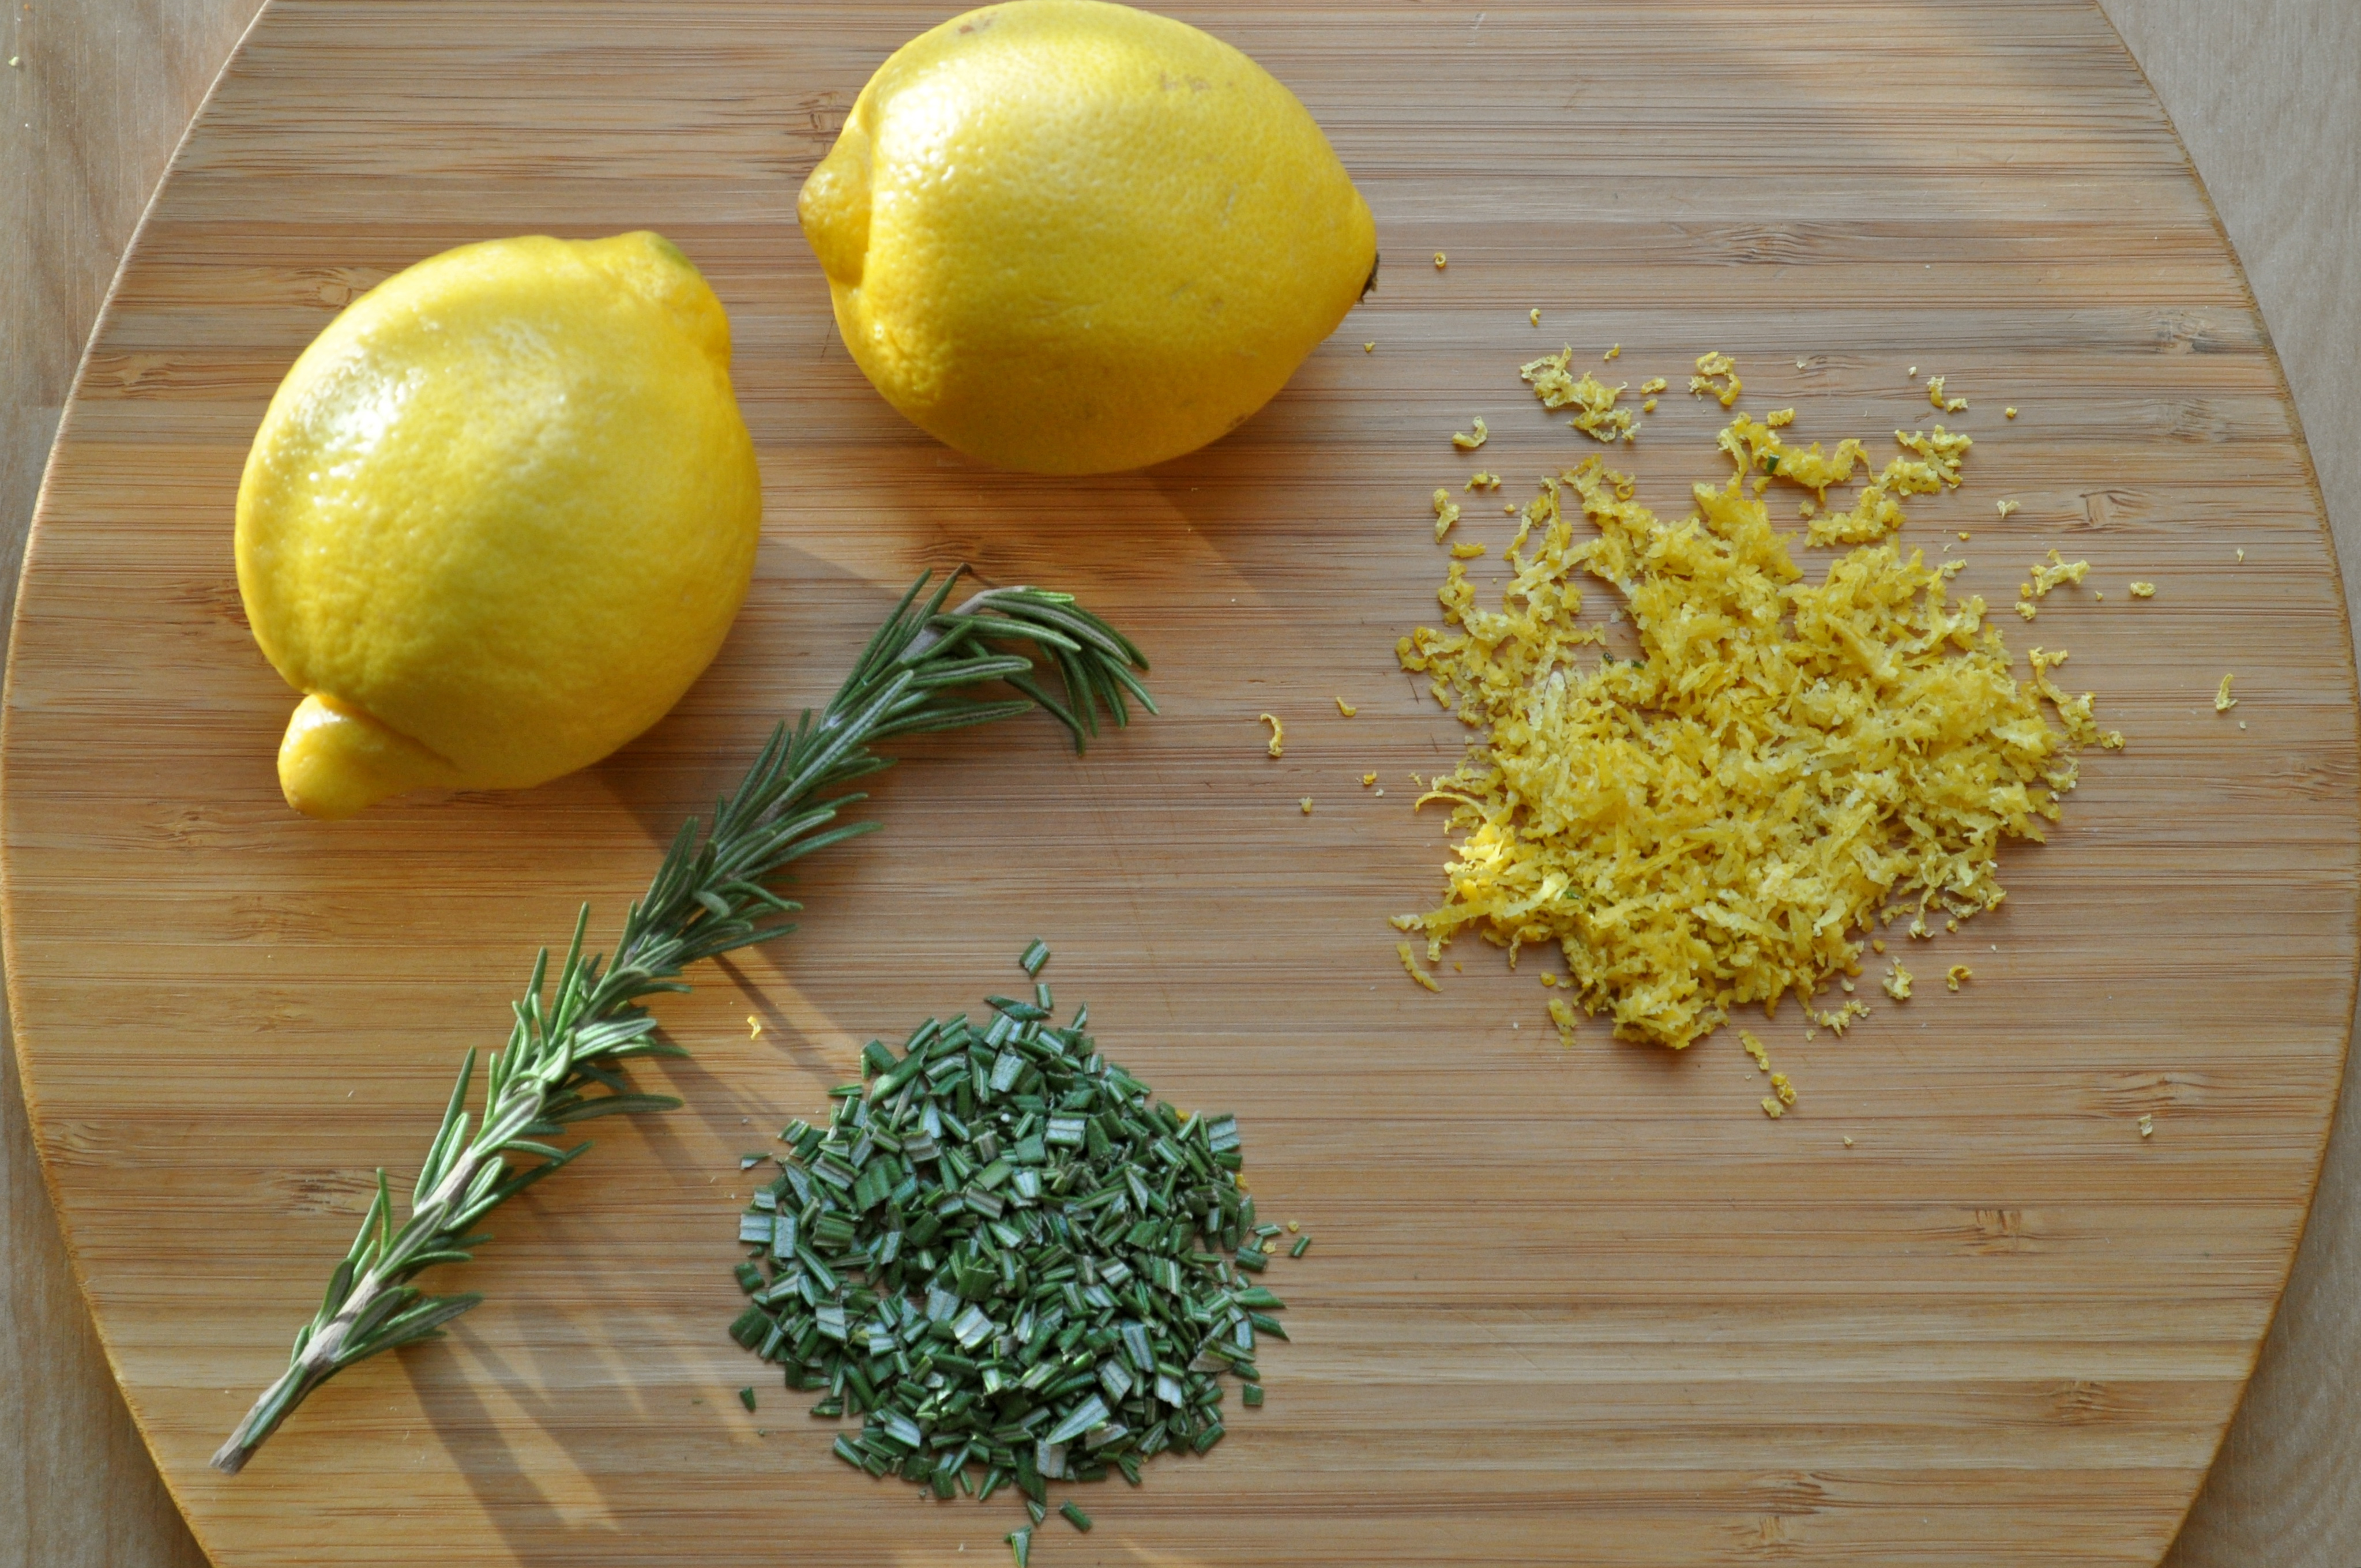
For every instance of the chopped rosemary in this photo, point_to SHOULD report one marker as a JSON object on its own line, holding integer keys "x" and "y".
{"x": 746, "y": 1398}
{"x": 1302, "y": 1244}
{"x": 1075, "y": 1516}
{"x": 708, "y": 897}
{"x": 1020, "y": 1542}
{"x": 1006, "y": 1256}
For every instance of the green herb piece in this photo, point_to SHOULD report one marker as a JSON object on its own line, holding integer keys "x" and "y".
{"x": 1252, "y": 1396}
{"x": 1020, "y": 1542}
{"x": 1302, "y": 1244}
{"x": 1034, "y": 957}
{"x": 746, "y": 1398}
{"x": 1011, "y": 1262}
{"x": 711, "y": 894}
{"x": 1074, "y": 1516}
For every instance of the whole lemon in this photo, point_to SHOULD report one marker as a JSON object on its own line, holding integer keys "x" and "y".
{"x": 499, "y": 516}
{"x": 1068, "y": 237}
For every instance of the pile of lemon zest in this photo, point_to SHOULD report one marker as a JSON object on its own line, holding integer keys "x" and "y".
{"x": 1717, "y": 367}
{"x": 1409, "y": 962}
{"x": 2223, "y": 701}
{"x": 1446, "y": 512}
{"x": 1897, "y": 981}
{"x": 1706, "y": 826}
{"x": 1348, "y": 709}
{"x": 1469, "y": 441}
{"x": 1278, "y": 733}
{"x": 2143, "y": 590}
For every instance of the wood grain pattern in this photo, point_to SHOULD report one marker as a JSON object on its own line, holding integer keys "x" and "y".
{"x": 99, "y": 95}
{"x": 1711, "y": 1337}
{"x": 2267, "y": 97}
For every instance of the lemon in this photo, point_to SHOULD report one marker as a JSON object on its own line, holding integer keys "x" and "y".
{"x": 499, "y": 516}
{"x": 1068, "y": 237}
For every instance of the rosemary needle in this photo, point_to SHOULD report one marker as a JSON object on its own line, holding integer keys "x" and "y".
{"x": 711, "y": 895}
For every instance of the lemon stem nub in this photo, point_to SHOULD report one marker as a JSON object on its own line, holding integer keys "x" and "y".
{"x": 337, "y": 760}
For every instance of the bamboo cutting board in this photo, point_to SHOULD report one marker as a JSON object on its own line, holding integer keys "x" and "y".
{"x": 1578, "y": 1307}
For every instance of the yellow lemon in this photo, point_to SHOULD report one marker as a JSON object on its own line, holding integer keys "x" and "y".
{"x": 499, "y": 516}
{"x": 1068, "y": 237}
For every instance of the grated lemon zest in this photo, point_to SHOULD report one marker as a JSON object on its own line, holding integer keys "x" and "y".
{"x": 1705, "y": 827}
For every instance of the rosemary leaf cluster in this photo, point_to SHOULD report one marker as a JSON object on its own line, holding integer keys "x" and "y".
{"x": 570, "y": 1042}
{"x": 1010, "y": 1260}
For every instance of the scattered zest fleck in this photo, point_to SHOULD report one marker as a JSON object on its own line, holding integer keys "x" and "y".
{"x": 1553, "y": 380}
{"x": 1534, "y": 315}
{"x": 1369, "y": 779}
{"x": 1848, "y": 1143}
{"x": 1614, "y": 353}
{"x": 1717, "y": 367}
{"x": 1772, "y": 1108}
{"x": 1935, "y": 396}
{"x": 2242, "y": 557}
{"x": 1346, "y": 708}
{"x": 1446, "y": 512}
{"x": 1781, "y": 1086}
{"x": 1409, "y": 962}
{"x": 1277, "y": 747}
{"x": 1562, "y": 1017}
{"x": 2147, "y": 1126}
{"x": 1466, "y": 551}
{"x": 1370, "y": 347}
{"x": 2056, "y": 573}
{"x": 2143, "y": 590}
{"x": 1306, "y": 803}
{"x": 1480, "y": 480}
{"x": 1957, "y": 974}
{"x": 1897, "y": 981}
{"x": 1468, "y": 441}
{"x": 1441, "y": 261}
{"x": 2223, "y": 701}
{"x": 754, "y": 1027}
{"x": 2006, "y": 413}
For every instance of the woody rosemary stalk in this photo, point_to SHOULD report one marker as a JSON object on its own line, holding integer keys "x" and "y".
{"x": 564, "y": 1057}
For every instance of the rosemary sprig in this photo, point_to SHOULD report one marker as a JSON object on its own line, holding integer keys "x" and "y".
{"x": 566, "y": 1051}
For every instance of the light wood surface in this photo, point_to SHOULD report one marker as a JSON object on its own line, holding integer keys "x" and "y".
{"x": 1464, "y": 366}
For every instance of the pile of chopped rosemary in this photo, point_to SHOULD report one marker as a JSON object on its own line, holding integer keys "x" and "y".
{"x": 1006, "y": 1255}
